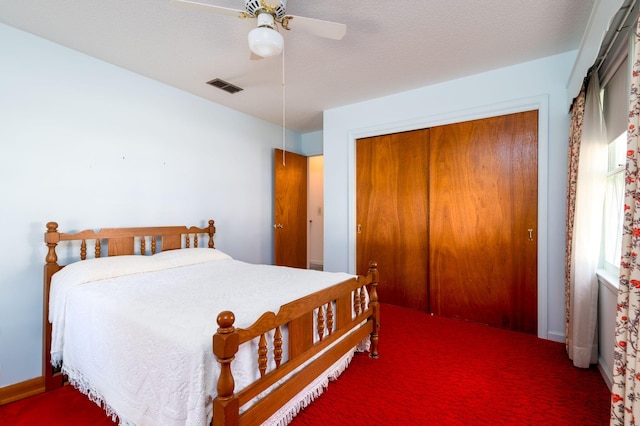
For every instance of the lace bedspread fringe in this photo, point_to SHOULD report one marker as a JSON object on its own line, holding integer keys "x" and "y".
{"x": 56, "y": 359}
{"x": 78, "y": 381}
{"x": 285, "y": 415}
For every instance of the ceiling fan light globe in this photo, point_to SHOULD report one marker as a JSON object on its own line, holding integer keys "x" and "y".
{"x": 265, "y": 42}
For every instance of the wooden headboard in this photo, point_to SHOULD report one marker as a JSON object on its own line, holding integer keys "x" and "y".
{"x": 119, "y": 241}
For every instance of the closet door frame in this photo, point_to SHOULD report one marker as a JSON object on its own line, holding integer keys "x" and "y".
{"x": 539, "y": 103}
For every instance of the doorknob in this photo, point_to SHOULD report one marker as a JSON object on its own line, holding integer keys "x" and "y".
{"x": 277, "y": 226}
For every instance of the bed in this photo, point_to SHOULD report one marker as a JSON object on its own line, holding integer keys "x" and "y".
{"x": 219, "y": 349}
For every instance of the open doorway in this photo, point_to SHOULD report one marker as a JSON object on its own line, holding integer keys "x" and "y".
{"x": 315, "y": 213}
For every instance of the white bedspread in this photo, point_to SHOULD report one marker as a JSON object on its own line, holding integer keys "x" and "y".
{"x": 141, "y": 343}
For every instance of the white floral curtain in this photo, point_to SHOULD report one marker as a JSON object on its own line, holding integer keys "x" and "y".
{"x": 625, "y": 392}
{"x": 587, "y": 179}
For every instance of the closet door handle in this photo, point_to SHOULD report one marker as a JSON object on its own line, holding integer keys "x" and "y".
{"x": 277, "y": 226}
{"x": 359, "y": 229}
{"x": 530, "y": 231}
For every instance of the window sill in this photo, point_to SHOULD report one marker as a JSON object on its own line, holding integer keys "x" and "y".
{"x": 608, "y": 279}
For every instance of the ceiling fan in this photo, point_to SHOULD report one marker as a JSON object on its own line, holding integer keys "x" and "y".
{"x": 265, "y": 40}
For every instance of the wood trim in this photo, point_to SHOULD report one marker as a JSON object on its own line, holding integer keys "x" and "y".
{"x": 21, "y": 390}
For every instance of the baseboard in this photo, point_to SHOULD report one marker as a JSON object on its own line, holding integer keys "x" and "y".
{"x": 556, "y": 337}
{"x": 21, "y": 390}
{"x": 606, "y": 373}
{"x": 316, "y": 265}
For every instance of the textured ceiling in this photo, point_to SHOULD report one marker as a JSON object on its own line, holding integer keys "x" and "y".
{"x": 389, "y": 47}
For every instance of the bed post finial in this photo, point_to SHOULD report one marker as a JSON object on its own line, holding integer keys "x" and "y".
{"x": 375, "y": 306}
{"x": 226, "y": 406}
{"x": 52, "y": 238}
{"x": 212, "y": 231}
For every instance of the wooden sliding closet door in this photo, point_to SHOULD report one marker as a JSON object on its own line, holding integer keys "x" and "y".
{"x": 391, "y": 213}
{"x": 483, "y": 221}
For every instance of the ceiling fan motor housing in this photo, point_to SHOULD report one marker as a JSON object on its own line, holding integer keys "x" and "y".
{"x": 254, "y": 6}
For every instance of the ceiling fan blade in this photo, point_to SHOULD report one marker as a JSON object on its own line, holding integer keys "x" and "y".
{"x": 326, "y": 29}
{"x": 208, "y": 8}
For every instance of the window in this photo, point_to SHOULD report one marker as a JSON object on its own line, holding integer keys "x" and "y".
{"x": 615, "y": 104}
{"x": 613, "y": 205}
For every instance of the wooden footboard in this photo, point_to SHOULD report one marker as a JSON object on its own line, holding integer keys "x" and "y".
{"x": 330, "y": 322}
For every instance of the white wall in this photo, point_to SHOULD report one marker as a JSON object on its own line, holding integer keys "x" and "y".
{"x": 538, "y": 84}
{"x": 89, "y": 145}
{"x": 312, "y": 143}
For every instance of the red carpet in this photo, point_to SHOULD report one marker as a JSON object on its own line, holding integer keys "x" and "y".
{"x": 431, "y": 371}
{"x": 437, "y": 371}
{"x": 65, "y": 406}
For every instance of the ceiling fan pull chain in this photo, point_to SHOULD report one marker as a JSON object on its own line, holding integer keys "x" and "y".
{"x": 284, "y": 129}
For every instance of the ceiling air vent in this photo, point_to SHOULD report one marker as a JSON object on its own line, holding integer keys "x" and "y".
{"x": 224, "y": 85}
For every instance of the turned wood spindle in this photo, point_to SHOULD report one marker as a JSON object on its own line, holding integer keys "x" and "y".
{"x": 97, "y": 249}
{"x": 153, "y": 245}
{"x": 277, "y": 347}
{"x": 83, "y": 250}
{"x": 195, "y": 240}
{"x": 320, "y": 323}
{"x": 143, "y": 245}
{"x": 188, "y": 240}
{"x": 262, "y": 355}
{"x": 329, "y": 318}
{"x": 212, "y": 230}
{"x": 356, "y": 302}
{"x": 363, "y": 300}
